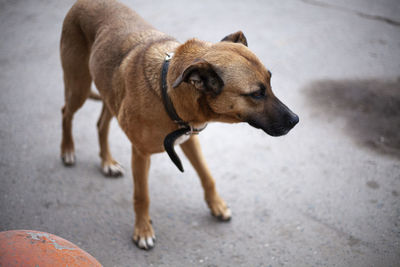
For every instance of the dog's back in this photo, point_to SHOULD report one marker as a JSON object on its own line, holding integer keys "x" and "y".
{"x": 93, "y": 17}
{"x": 98, "y": 34}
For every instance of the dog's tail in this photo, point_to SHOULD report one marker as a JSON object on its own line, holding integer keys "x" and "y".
{"x": 94, "y": 96}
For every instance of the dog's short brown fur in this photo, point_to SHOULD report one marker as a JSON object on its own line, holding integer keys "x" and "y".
{"x": 109, "y": 44}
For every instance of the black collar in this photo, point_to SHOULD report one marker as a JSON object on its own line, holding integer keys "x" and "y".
{"x": 184, "y": 127}
{"x": 169, "y": 107}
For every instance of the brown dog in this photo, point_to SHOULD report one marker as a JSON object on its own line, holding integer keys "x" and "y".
{"x": 151, "y": 96}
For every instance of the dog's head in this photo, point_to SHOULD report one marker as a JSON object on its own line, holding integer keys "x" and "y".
{"x": 237, "y": 86}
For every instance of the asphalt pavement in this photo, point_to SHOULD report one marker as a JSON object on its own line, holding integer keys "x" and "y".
{"x": 327, "y": 194}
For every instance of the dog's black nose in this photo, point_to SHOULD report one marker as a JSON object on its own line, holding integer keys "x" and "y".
{"x": 293, "y": 120}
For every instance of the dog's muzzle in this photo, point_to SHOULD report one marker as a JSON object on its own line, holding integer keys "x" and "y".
{"x": 275, "y": 120}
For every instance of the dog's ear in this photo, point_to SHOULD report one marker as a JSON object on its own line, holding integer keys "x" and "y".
{"x": 202, "y": 76}
{"x": 237, "y": 37}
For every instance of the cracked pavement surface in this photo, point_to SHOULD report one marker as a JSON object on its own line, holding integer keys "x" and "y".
{"x": 327, "y": 194}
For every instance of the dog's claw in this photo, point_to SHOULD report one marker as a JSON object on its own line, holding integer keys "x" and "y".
{"x": 68, "y": 158}
{"x": 113, "y": 170}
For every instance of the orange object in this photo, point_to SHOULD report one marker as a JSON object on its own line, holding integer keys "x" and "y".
{"x": 33, "y": 248}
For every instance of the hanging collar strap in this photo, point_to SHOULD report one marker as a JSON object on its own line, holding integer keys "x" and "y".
{"x": 184, "y": 127}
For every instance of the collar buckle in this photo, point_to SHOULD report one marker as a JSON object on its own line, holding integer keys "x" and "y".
{"x": 168, "y": 56}
{"x": 195, "y": 131}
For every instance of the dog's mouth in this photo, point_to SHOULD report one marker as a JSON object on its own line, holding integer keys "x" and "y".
{"x": 282, "y": 127}
{"x": 272, "y": 130}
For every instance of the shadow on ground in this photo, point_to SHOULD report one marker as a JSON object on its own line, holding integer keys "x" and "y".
{"x": 370, "y": 107}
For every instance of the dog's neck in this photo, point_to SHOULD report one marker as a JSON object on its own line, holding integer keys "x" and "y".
{"x": 190, "y": 104}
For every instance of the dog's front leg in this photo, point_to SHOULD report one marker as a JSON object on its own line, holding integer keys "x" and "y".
{"x": 143, "y": 233}
{"x": 217, "y": 205}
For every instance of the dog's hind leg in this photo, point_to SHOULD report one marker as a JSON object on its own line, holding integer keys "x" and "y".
{"x": 109, "y": 166}
{"x": 77, "y": 80}
{"x": 217, "y": 205}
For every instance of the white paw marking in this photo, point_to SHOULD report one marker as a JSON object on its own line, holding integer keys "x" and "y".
{"x": 68, "y": 158}
{"x": 224, "y": 215}
{"x": 113, "y": 170}
{"x": 142, "y": 243}
{"x": 145, "y": 243}
{"x": 227, "y": 215}
{"x": 150, "y": 242}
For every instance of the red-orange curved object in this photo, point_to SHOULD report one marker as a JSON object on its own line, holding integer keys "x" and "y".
{"x": 33, "y": 248}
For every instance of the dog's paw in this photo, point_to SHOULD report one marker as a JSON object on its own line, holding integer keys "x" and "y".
{"x": 68, "y": 158}
{"x": 220, "y": 210}
{"x": 143, "y": 236}
{"x": 224, "y": 215}
{"x": 112, "y": 169}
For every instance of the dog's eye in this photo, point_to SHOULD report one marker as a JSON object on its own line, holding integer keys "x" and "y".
{"x": 259, "y": 94}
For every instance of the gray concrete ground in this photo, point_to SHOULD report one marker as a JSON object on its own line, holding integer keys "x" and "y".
{"x": 327, "y": 194}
